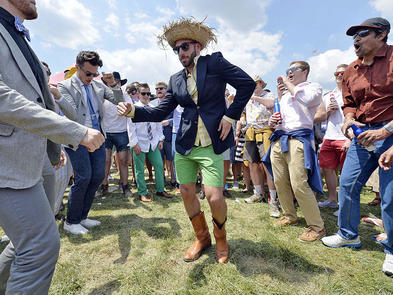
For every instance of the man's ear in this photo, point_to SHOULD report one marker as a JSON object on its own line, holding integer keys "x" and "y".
{"x": 382, "y": 35}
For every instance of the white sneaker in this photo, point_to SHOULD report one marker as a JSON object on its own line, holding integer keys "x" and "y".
{"x": 274, "y": 209}
{"x": 75, "y": 229}
{"x": 255, "y": 198}
{"x": 89, "y": 223}
{"x": 387, "y": 266}
{"x": 336, "y": 241}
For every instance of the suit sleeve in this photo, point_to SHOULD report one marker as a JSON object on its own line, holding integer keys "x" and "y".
{"x": 239, "y": 80}
{"x": 18, "y": 111}
{"x": 67, "y": 103}
{"x": 113, "y": 95}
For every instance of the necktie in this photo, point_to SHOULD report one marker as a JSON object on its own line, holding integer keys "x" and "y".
{"x": 149, "y": 131}
{"x": 21, "y": 28}
{"x": 93, "y": 115}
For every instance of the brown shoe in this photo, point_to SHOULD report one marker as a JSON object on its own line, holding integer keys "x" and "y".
{"x": 285, "y": 221}
{"x": 222, "y": 248}
{"x": 145, "y": 198}
{"x": 164, "y": 194}
{"x": 311, "y": 235}
{"x": 202, "y": 240}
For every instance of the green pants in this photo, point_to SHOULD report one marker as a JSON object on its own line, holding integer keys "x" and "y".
{"x": 156, "y": 161}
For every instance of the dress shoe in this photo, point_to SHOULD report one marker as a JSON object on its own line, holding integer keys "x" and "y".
{"x": 75, "y": 229}
{"x": 202, "y": 240}
{"x": 164, "y": 194}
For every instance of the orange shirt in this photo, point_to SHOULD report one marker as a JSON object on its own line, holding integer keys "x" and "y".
{"x": 368, "y": 90}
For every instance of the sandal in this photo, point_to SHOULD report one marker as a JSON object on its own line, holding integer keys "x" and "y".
{"x": 373, "y": 221}
{"x": 380, "y": 237}
{"x": 374, "y": 202}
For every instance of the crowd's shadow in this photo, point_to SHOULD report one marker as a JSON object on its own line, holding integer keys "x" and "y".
{"x": 124, "y": 226}
{"x": 106, "y": 289}
{"x": 255, "y": 258}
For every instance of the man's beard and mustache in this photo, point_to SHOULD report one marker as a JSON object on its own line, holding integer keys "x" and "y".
{"x": 186, "y": 63}
{"x": 27, "y": 7}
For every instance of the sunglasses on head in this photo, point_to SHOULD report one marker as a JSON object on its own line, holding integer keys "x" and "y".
{"x": 160, "y": 88}
{"x": 185, "y": 46}
{"x": 293, "y": 69}
{"x": 364, "y": 33}
{"x": 89, "y": 74}
{"x": 338, "y": 73}
{"x": 145, "y": 93}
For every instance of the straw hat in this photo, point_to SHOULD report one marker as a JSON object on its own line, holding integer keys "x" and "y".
{"x": 186, "y": 28}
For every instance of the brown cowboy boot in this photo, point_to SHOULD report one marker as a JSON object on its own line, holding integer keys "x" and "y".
{"x": 222, "y": 248}
{"x": 202, "y": 240}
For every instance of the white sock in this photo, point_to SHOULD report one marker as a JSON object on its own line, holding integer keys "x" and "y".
{"x": 258, "y": 189}
{"x": 273, "y": 194}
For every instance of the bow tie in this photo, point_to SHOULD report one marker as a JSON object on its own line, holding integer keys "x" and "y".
{"x": 21, "y": 28}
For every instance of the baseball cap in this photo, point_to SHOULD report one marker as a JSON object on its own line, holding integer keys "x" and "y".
{"x": 377, "y": 23}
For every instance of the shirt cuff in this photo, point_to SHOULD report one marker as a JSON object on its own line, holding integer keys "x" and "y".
{"x": 230, "y": 120}
{"x": 131, "y": 113}
{"x": 59, "y": 100}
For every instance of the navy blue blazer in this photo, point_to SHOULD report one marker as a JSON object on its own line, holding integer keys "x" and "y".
{"x": 213, "y": 73}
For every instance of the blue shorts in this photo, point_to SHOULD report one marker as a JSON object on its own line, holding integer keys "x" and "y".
{"x": 119, "y": 140}
{"x": 167, "y": 151}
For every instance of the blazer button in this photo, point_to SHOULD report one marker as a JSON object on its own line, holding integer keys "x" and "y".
{"x": 196, "y": 122}
{"x": 70, "y": 146}
{"x": 84, "y": 115}
{"x": 198, "y": 107}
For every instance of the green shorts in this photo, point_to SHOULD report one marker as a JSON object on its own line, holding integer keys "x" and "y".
{"x": 204, "y": 158}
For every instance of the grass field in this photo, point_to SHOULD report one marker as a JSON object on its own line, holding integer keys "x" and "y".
{"x": 139, "y": 250}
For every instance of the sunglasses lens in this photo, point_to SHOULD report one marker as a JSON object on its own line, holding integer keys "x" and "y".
{"x": 145, "y": 93}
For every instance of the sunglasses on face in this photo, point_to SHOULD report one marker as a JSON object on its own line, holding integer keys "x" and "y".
{"x": 132, "y": 92}
{"x": 338, "y": 73}
{"x": 185, "y": 46}
{"x": 293, "y": 69}
{"x": 89, "y": 74}
{"x": 160, "y": 88}
{"x": 363, "y": 33}
{"x": 145, "y": 93}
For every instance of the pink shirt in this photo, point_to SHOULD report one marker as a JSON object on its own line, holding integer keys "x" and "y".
{"x": 298, "y": 111}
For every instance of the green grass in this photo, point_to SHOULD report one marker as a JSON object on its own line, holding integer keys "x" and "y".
{"x": 139, "y": 250}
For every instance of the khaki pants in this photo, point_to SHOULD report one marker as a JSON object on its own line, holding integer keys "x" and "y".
{"x": 289, "y": 171}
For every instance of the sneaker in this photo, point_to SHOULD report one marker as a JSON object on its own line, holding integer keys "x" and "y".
{"x": 89, "y": 223}
{"x": 387, "y": 266}
{"x": 328, "y": 204}
{"x": 75, "y": 229}
{"x": 235, "y": 185}
{"x": 336, "y": 241}
{"x": 335, "y": 213}
{"x": 285, "y": 221}
{"x": 311, "y": 235}
{"x": 126, "y": 191}
{"x": 255, "y": 198}
{"x": 274, "y": 209}
{"x": 226, "y": 194}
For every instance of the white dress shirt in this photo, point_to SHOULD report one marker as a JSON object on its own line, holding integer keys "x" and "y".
{"x": 336, "y": 118}
{"x": 298, "y": 111}
{"x": 138, "y": 134}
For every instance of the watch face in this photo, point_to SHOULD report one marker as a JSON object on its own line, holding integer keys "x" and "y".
{"x": 389, "y": 128}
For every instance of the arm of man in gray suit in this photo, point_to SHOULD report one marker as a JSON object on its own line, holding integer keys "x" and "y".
{"x": 67, "y": 103}
{"x": 113, "y": 95}
{"x": 18, "y": 111}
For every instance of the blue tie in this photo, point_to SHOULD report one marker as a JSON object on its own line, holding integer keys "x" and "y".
{"x": 93, "y": 115}
{"x": 21, "y": 28}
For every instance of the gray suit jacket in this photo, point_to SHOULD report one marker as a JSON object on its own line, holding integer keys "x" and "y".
{"x": 73, "y": 105}
{"x": 27, "y": 120}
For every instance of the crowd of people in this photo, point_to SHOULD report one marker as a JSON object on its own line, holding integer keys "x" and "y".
{"x": 192, "y": 129}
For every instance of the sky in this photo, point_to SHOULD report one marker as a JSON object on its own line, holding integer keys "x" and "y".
{"x": 260, "y": 36}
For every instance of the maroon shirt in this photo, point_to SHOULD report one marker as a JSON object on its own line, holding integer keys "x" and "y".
{"x": 368, "y": 90}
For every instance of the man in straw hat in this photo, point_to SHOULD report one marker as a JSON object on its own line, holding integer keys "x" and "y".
{"x": 204, "y": 127}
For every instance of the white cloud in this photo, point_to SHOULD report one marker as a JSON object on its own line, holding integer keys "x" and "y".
{"x": 65, "y": 23}
{"x": 385, "y": 7}
{"x": 112, "y": 3}
{"x": 111, "y": 23}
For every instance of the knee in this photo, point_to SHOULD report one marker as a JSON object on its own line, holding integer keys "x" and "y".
{"x": 123, "y": 161}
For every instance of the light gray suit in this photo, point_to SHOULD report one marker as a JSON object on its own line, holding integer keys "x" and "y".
{"x": 26, "y": 122}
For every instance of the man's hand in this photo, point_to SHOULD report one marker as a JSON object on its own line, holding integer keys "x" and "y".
{"x": 55, "y": 92}
{"x": 160, "y": 145}
{"x": 63, "y": 161}
{"x": 93, "y": 139}
{"x": 224, "y": 127}
{"x": 274, "y": 119}
{"x": 347, "y": 124}
{"x": 281, "y": 88}
{"x": 165, "y": 123}
{"x": 368, "y": 137}
{"x": 137, "y": 149}
{"x": 386, "y": 159}
{"x": 346, "y": 145}
{"x": 108, "y": 78}
{"x": 123, "y": 108}
{"x": 331, "y": 108}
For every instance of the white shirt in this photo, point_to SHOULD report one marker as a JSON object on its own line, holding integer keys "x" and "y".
{"x": 298, "y": 111}
{"x": 111, "y": 121}
{"x": 176, "y": 118}
{"x": 138, "y": 134}
{"x": 336, "y": 118}
{"x": 93, "y": 101}
{"x": 257, "y": 115}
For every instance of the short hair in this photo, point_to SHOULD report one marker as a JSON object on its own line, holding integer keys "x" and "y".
{"x": 142, "y": 85}
{"x": 342, "y": 66}
{"x": 379, "y": 32}
{"x": 162, "y": 83}
{"x": 91, "y": 57}
{"x": 303, "y": 65}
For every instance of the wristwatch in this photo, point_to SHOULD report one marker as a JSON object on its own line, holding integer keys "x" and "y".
{"x": 388, "y": 128}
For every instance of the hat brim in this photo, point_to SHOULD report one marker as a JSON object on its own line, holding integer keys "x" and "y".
{"x": 352, "y": 30}
{"x": 122, "y": 82}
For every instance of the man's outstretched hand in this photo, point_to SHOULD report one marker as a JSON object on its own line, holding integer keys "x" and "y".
{"x": 123, "y": 108}
{"x": 93, "y": 139}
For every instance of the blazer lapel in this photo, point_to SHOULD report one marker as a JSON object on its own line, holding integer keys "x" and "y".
{"x": 78, "y": 90}
{"x": 201, "y": 75}
{"x": 20, "y": 60}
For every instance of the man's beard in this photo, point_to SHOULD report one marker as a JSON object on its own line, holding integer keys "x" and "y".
{"x": 25, "y": 8}
{"x": 191, "y": 60}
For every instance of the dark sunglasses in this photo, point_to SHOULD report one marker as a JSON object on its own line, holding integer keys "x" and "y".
{"x": 89, "y": 74}
{"x": 160, "y": 88}
{"x": 132, "y": 92}
{"x": 145, "y": 93}
{"x": 185, "y": 46}
{"x": 338, "y": 73}
{"x": 293, "y": 69}
{"x": 364, "y": 33}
